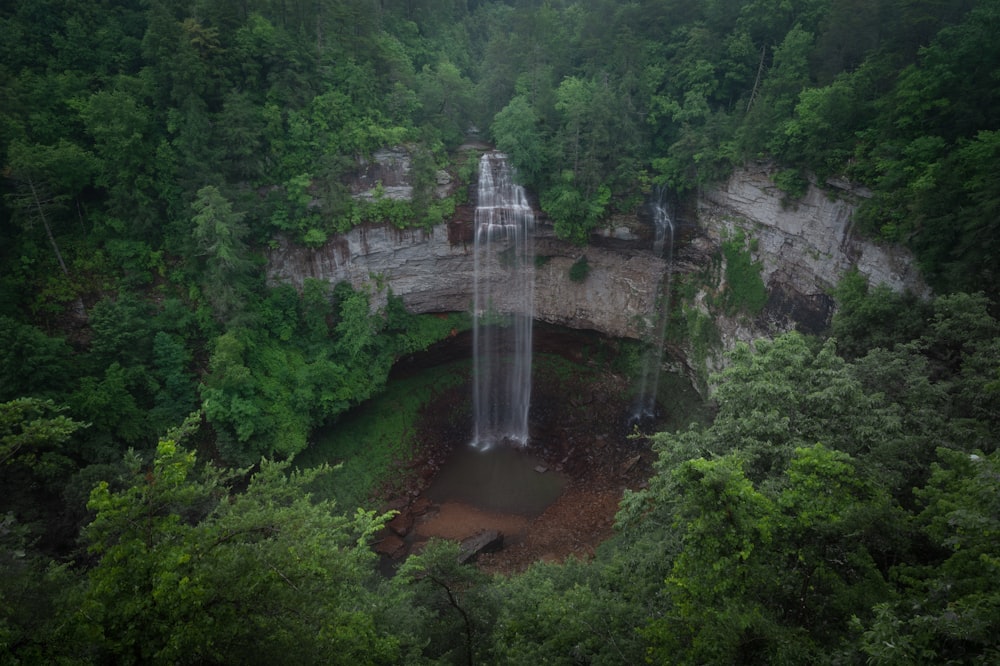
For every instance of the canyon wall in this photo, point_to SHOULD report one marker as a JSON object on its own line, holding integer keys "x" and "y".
{"x": 805, "y": 245}
{"x": 801, "y": 248}
{"x": 432, "y": 271}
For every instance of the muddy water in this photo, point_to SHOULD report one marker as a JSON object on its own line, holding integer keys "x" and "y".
{"x": 502, "y": 479}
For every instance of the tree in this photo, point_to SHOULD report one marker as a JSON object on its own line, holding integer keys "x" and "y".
{"x": 220, "y": 239}
{"x": 176, "y": 394}
{"x": 124, "y": 132}
{"x": 573, "y": 612}
{"x": 772, "y": 574}
{"x": 445, "y": 100}
{"x": 32, "y": 363}
{"x": 950, "y": 603}
{"x": 787, "y": 77}
{"x": 457, "y": 612}
{"x": 870, "y": 317}
{"x": 516, "y": 132}
{"x": 32, "y": 434}
{"x": 49, "y": 179}
{"x": 121, "y": 331}
{"x": 573, "y": 213}
{"x": 189, "y": 570}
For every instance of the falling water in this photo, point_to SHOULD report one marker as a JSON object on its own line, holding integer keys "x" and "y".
{"x": 503, "y": 307}
{"x": 644, "y": 407}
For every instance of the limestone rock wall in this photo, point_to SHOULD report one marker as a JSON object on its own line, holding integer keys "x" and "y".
{"x": 803, "y": 247}
{"x": 806, "y": 245}
{"x": 433, "y": 271}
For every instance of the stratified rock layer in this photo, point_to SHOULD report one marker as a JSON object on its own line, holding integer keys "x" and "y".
{"x": 805, "y": 245}
{"x": 804, "y": 248}
{"x": 432, "y": 271}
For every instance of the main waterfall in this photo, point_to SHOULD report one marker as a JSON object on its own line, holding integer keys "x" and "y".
{"x": 503, "y": 307}
{"x": 644, "y": 407}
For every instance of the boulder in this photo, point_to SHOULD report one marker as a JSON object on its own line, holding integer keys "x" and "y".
{"x": 391, "y": 546}
{"x": 401, "y": 524}
{"x": 486, "y": 541}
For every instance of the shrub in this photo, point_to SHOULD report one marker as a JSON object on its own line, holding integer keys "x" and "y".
{"x": 579, "y": 270}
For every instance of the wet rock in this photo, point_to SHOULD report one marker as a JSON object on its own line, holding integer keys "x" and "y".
{"x": 390, "y": 546}
{"x": 401, "y": 524}
{"x": 420, "y": 506}
{"x": 487, "y": 541}
{"x": 630, "y": 463}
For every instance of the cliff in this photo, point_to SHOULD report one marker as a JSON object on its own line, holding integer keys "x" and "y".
{"x": 799, "y": 249}
{"x": 802, "y": 249}
{"x": 805, "y": 245}
{"x": 433, "y": 271}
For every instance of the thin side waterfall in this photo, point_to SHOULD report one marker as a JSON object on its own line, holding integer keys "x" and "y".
{"x": 503, "y": 307}
{"x": 644, "y": 407}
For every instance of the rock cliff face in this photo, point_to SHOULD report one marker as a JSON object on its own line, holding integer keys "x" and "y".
{"x": 802, "y": 249}
{"x": 433, "y": 271}
{"x": 805, "y": 245}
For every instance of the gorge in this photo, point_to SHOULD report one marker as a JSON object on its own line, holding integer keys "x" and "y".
{"x": 670, "y": 256}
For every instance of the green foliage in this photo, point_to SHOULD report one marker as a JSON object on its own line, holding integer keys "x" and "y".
{"x": 388, "y": 210}
{"x": 580, "y": 269}
{"x": 112, "y": 402}
{"x": 32, "y": 363}
{"x": 316, "y": 356}
{"x": 121, "y": 331}
{"x": 564, "y": 614}
{"x": 745, "y": 291}
{"x": 32, "y": 435}
{"x": 220, "y": 240}
{"x": 369, "y": 442}
{"x": 766, "y": 575}
{"x": 176, "y": 394}
{"x": 950, "y": 602}
{"x": 699, "y": 329}
{"x": 458, "y": 611}
{"x": 148, "y": 149}
{"x": 573, "y": 213}
{"x": 792, "y": 182}
{"x": 868, "y": 318}
{"x": 189, "y": 570}
{"x": 517, "y": 133}
{"x": 32, "y": 587}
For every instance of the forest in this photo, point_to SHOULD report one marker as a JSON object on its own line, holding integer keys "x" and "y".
{"x": 840, "y": 507}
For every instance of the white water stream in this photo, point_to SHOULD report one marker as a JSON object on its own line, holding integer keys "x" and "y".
{"x": 644, "y": 407}
{"x": 503, "y": 307}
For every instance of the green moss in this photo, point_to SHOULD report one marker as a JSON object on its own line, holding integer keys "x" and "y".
{"x": 703, "y": 336}
{"x": 369, "y": 442}
{"x": 745, "y": 289}
{"x": 579, "y": 270}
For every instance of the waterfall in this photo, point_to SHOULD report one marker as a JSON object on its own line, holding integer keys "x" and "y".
{"x": 644, "y": 407}
{"x": 503, "y": 307}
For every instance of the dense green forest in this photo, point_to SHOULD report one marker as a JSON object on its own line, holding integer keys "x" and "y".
{"x": 842, "y": 507}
